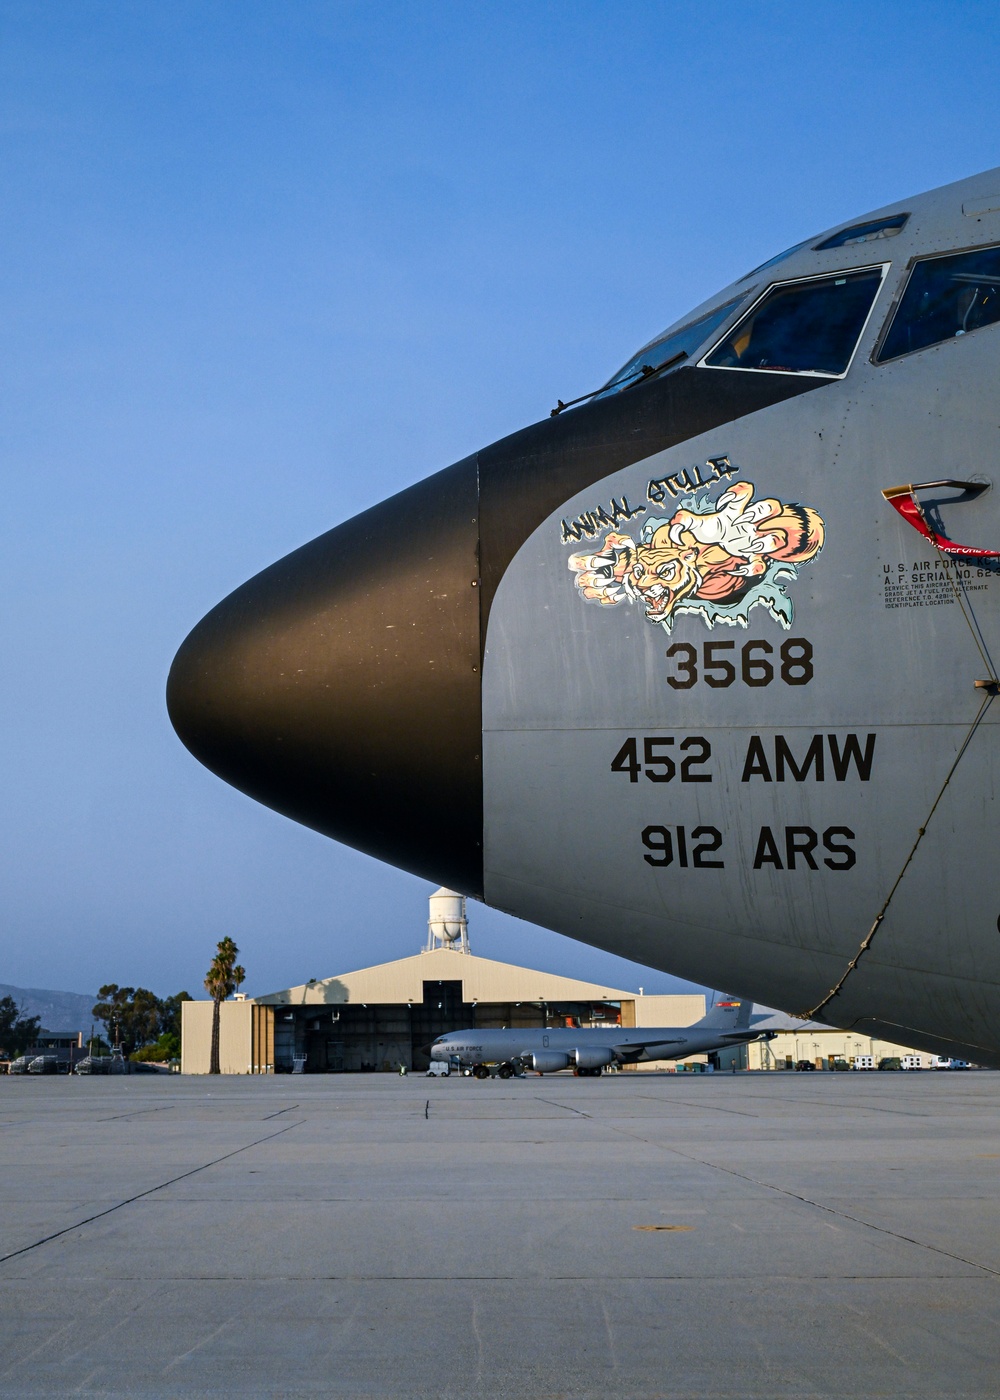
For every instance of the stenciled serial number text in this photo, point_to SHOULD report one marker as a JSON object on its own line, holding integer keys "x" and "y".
{"x": 756, "y": 664}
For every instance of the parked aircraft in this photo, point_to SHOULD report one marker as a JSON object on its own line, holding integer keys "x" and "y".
{"x": 701, "y": 667}
{"x": 587, "y": 1052}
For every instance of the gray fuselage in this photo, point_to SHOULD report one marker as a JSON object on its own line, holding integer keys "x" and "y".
{"x": 686, "y": 672}
{"x": 624, "y": 1046}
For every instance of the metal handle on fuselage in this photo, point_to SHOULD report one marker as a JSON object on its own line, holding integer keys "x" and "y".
{"x": 904, "y": 500}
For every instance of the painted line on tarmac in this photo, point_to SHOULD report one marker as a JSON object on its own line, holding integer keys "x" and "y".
{"x": 568, "y": 1107}
{"x": 99, "y": 1215}
{"x": 846, "y": 1107}
{"x": 816, "y": 1205}
{"x": 135, "y": 1113}
{"x": 686, "y": 1103}
{"x": 279, "y": 1112}
{"x": 750, "y": 1276}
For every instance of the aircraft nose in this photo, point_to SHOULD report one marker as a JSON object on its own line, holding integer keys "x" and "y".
{"x": 341, "y": 686}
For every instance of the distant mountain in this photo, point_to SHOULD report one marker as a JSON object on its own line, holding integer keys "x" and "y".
{"x": 60, "y": 1011}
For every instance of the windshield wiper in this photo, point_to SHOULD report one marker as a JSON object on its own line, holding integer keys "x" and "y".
{"x": 641, "y": 374}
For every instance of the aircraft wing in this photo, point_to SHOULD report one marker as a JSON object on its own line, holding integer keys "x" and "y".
{"x": 631, "y": 1050}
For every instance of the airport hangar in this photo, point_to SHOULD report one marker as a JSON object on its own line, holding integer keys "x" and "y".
{"x": 382, "y": 1017}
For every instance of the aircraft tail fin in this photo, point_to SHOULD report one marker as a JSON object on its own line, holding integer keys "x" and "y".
{"x": 728, "y": 1013}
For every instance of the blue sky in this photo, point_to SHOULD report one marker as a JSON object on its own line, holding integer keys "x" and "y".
{"x": 264, "y": 264}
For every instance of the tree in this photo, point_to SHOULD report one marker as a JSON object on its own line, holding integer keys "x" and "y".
{"x": 112, "y": 1008}
{"x": 17, "y": 1031}
{"x": 221, "y": 980}
{"x": 144, "y": 1016}
{"x": 168, "y": 1044}
{"x": 134, "y": 1016}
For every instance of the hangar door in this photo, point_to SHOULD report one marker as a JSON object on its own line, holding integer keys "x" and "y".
{"x": 443, "y": 1009}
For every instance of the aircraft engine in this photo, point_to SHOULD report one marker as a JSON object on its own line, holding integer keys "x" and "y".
{"x": 546, "y": 1061}
{"x": 592, "y": 1059}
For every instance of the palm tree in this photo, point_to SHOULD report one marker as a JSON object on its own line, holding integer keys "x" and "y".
{"x": 221, "y": 980}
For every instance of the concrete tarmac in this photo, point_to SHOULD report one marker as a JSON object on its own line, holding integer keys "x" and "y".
{"x": 749, "y": 1237}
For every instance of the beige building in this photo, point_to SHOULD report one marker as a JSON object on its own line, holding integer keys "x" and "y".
{"x": 380, "y": 1017}
{"x": 246, "y": 1037}
{"x": 794, "y": 1042}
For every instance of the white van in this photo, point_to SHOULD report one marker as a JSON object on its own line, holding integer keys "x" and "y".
{"x": 862, "y": 1062}
{"x": 941, "y": 1062}
{"x": 910, "y": 1062}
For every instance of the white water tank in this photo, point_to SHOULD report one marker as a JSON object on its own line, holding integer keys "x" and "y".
{"x": 447, "y": 925}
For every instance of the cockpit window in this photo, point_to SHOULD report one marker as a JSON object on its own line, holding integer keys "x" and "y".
{"x": 773, "y": 262}
{"x": 945, "y": 297}
{"x": 865, "y": 233}
{"x": 807, "y": 327}
{"x": 668, "y": 349}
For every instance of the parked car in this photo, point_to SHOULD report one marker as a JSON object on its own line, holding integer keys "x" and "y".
{"x": 941, "y": 1062}
{"x": 44, "y": 1064}
{"x": 438, "y": 1070}
{"x": 20, "y": 1065}
{"x": 839, "y": 1064}
{"x": 890, "y": 1062}
{"x": 804, "y": 1065}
